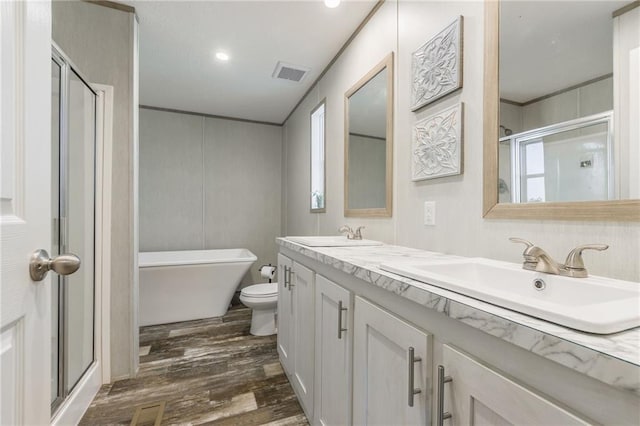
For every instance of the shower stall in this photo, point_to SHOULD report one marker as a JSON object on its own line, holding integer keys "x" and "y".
{"x": 73, "y": 110}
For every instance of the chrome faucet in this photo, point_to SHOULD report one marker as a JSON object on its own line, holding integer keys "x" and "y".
{"x": 351, "y": 234}
{"x": 536, "y": 259}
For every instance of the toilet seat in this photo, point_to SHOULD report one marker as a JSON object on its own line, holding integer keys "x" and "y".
{"x": 259, "y": 291}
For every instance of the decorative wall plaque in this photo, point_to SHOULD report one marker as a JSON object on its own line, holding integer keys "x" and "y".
{"x": 437, "y": 66}
{"x": 436, "y": 147}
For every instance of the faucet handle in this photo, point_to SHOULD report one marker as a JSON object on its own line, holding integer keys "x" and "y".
{"x": 574, "y": 259}
{"x": 530, "y": 260}
{"x": 521, "y": 241}
{"x": 346, "y": 229}
{"x": 358, "y": 233}
{"x": 526, "y": 253}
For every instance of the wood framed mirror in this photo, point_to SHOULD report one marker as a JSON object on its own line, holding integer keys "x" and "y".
{"x": 622, "y": 203}
{"x": 368, "y": 143}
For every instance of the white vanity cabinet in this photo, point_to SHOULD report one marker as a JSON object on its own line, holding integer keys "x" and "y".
{"x": 296, "y": 327}
{"x": 285, "y": 312}
{"x": 334, "y": 330}
{"x": 391, "y": 365}
{"x": 382, "y": 367}
{"x": 303, "y": 295}
{"x": 479, "y": 395}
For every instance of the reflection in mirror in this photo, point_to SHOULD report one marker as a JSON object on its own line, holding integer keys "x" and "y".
{"x": 559, "y": 99}
{"x": 368, "y": 142}
{"x": 317, "y": 159}
{"x": 589, "y": 97}
{"x": 568, "y": 161}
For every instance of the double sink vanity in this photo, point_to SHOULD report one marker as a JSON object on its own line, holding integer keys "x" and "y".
{"x": 370, "y": 333}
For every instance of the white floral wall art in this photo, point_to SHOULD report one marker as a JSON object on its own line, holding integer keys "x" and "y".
{"x": 437, "y": 66}
{"x": 437, "y": 145}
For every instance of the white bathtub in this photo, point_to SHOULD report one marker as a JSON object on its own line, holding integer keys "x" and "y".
{"x": 187, "y": 285}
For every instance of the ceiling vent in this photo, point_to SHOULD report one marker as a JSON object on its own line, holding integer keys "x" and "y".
{"x": 290, "y": 72}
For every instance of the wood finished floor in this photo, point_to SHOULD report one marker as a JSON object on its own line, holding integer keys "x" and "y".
{"x": 208, "y": 371}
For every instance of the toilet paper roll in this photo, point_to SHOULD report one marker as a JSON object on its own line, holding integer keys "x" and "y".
{"x": 268, "y": 272}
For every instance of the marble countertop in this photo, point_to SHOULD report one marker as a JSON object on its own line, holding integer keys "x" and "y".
{"x": 613, "y": 359}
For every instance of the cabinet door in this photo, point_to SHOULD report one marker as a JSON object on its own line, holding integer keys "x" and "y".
{"x": 332, "y": 393}
{"x": 285, "y": 314}
{"x": 478, "y": 395}
{"x": 381, "y": 370}
{"x": 302, "y": 292}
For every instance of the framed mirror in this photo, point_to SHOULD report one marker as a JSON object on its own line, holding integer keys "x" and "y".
{"x": 318, "y": 176}
{"x": 559, "y": 138}
{"x": 368, "y": 143}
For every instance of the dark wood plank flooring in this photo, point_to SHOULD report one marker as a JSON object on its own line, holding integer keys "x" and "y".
{"x": 208, "y": 371}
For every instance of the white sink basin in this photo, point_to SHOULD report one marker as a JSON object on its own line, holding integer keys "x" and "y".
{"x": 595, "y": 304}
{"x": 332, "y": 241}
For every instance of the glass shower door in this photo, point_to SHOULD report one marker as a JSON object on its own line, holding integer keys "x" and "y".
{"x": 74, "y": 230}
{"x": 56, "y": 90}
{"x": 78, "y": 197}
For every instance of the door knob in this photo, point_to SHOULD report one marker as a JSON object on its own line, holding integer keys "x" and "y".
{"x": 41, "y": 263}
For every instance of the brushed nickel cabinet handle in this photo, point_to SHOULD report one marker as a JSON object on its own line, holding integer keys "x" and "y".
{"x": 285, "y": 284}
{"x": 412, "y": 391}
{"x": 442, "y": 379}
{"x": 290, "y": 283}
{"x": 340, "y": 328}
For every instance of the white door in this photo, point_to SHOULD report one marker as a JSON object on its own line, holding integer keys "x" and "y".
{"x": 25, "y": 210}
{"x": 383, "y": 373}
{"x": 302, "y": 290}
{"x": 285, "y": 313}
{"x": 334, "y": 314}
{"x": 478, "y": 395}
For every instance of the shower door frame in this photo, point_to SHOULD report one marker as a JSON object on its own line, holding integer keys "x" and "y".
{"x": 70, "y": 408}
{"x": 519, "y": 140}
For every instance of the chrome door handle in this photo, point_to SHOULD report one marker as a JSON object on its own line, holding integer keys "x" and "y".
{"x": 340, "y": 329}
{"x": 442, "y": 379}
{"x": 41, "y": 263}
{"x": 411, "y": 388}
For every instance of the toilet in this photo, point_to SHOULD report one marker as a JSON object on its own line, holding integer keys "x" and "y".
{"x": 263, "y": 300}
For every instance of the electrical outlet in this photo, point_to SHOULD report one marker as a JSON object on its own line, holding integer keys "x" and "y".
{"x": 430, "y": 213}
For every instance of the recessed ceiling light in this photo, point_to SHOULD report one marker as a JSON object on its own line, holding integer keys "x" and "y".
{"x": 222, "y": 56}
{"x": 332, "y": 3}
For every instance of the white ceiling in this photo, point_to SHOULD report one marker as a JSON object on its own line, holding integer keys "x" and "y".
{"x": 179, "y": 39}
{"x": 546, "y": 46}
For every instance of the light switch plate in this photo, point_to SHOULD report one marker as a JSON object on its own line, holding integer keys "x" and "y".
{"x": 429, "y": 213}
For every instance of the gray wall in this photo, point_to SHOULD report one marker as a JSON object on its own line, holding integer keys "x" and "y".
{"x": 208, "y": 183}
{"x": 100, "y": 41}
{"x": 460, "y": 229}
